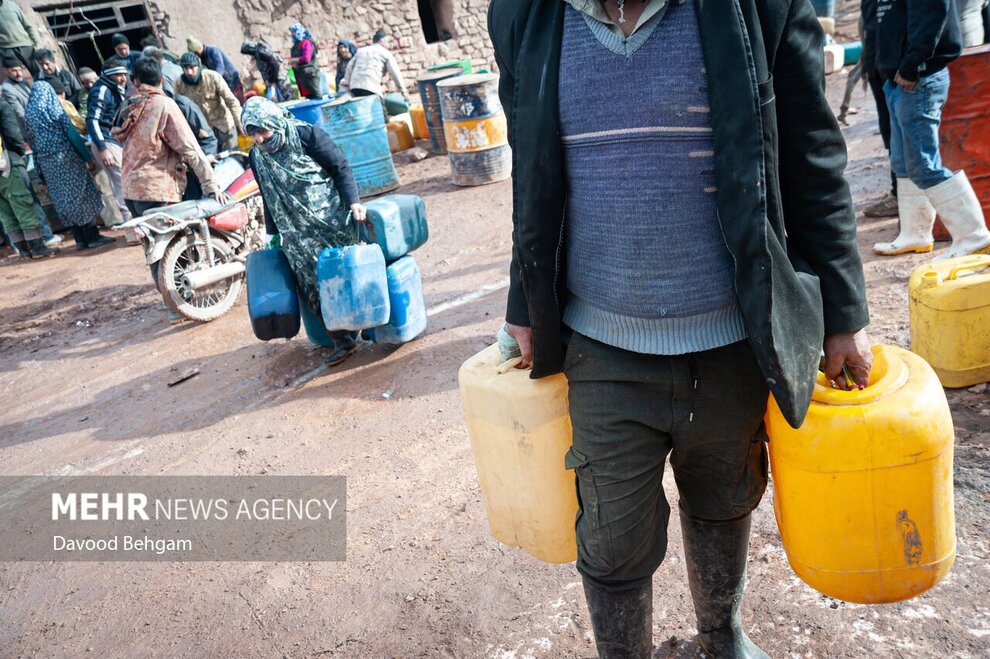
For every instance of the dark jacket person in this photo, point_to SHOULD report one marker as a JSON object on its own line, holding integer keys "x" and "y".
{"x": 680, "y": 213}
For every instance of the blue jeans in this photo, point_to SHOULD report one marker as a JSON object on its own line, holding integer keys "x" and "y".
{"x": 914, "y": 120}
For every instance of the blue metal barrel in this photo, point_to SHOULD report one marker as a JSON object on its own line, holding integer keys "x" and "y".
{"x": 308, "y": 111}
{"x": 357, "y": 125}
{"x": 430, "y": 97}
{"x": 475, "y": 128}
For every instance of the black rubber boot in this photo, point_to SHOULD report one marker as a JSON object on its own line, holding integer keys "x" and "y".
{"x": 94, "y": 238}
{"x": 36, "y": 248}
{"x": 623, "y": 621}
{"x": 79, "y": 235}
{"x": 715, "y": 553}
{"x": 22, "y": 249}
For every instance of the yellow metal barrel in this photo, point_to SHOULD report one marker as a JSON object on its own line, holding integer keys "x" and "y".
{"x": 475, "y": 128}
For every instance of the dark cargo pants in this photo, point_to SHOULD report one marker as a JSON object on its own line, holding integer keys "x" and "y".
{"x": 629, "y": 411}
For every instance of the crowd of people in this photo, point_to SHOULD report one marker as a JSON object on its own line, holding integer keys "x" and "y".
{"x": 86, "y": 135}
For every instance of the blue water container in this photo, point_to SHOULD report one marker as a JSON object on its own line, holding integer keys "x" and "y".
{"x": 315, "y": 330}
{"x": 405, "y": 294}
{"x": 273, "y": 304}
{"x": 353, "y": 287}
{"x": 357, "y": 125}
{"x": 308, "y": 111}
{"x": 851, "y": 52}
{"x": 398, "y": 224}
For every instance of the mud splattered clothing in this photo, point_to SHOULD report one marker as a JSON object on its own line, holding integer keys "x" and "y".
{"x": 157, "y": 141}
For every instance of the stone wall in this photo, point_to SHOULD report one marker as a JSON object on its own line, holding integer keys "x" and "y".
{"x": 330, "y": 20}
{"x": 227, "y": 23}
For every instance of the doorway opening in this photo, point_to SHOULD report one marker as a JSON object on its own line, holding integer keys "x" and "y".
{"x": 83, "y": 30}
{"x": 437, "y": 19}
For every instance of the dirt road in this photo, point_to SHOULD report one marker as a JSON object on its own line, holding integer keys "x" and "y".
{"x": 85, "y": 356}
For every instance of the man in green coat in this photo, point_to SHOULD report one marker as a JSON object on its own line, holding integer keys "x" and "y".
{"x": 684, "y": 245}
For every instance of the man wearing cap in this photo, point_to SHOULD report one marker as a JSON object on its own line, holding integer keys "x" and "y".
{"x": 122, "y": 50}
{"x": 102, "y": 105}
{"x": 213, "y": 58}
{"x": 18, "y": 37}
{"x": 207, "y": 89}
{"x": 50, "y": 70}
{"x": 15, "y": 89}
{"x": 366, "y": 69}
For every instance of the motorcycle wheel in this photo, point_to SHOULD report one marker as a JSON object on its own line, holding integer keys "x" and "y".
{"x": 203, "y": 304}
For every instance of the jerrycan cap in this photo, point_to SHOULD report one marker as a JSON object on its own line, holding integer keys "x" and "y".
{"x": 889, "y": 374}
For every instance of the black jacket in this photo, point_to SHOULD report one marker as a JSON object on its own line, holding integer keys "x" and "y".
{"x": 105, "y": 98}
{"x": 916, "y": 37}
{"x": 320, "y": 147}
{"x": 10, "y": 131}
{"x": 783, "y": 205}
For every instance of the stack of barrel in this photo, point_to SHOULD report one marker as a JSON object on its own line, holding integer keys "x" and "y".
{"x": 430, "y": 96}
{"x": 964, "y": 136}
{"x": 475, "y": 129}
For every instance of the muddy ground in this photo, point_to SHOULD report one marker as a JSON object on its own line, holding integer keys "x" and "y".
{"x": 85, "y": 357}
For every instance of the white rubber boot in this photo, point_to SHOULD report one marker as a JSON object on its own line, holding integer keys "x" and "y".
{"x": 917, "y": 219}
{"x": 960, "y": 210}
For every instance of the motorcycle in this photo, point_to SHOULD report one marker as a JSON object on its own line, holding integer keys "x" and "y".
{"x": 201, "y": 245}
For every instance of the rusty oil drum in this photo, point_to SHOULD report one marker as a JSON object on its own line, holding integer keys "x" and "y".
{"x": 475, "y": 129}
{"x": 430, "y": 97}
{"x": 357, "y": 125}
{"x": 964, "y": 136}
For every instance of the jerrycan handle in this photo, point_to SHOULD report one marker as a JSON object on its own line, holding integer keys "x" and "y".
{"x": 508, "y": 365}
{"x": 985, "y": 263}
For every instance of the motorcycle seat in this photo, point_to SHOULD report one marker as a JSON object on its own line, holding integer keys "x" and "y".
{"x": 193, "y": 209}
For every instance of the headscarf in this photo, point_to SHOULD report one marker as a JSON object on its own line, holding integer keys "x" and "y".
{"x": 351, "y": 48}
{"x": 46, "y": 120}
{"x": 342, "y": 63}
{"x": 299, "y": 33}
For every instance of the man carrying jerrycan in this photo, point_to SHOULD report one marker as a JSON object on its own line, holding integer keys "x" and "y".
{"x": 684, "y": 245}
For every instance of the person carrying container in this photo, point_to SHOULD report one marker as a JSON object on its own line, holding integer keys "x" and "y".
{"x": 311, "y": 198}
{"x": 364, "y": 73}
{"x": 271, "y": 68}
{"x": 684, "y": 245}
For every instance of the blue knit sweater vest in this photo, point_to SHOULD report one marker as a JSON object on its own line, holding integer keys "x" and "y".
{"x": 647, "y": 266}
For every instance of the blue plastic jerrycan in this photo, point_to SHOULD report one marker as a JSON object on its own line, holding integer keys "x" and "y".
{"x": 398, "y": 224}
{"x": 273, "y": 304}
{"x": 313, "y": 323}
{"x": 405, "y": 294}
{"x": 353, "y": 287}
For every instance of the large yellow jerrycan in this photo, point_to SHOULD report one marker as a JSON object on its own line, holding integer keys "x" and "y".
{"x": 863, "y": 490}
{"x": 950, "y": 318}
{"x": 520, "y": 430}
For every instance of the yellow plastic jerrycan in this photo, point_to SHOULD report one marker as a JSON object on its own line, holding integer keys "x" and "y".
{"x": 950, "y": 317}
{"x": 863, "y": 490}
{"x": 520, "y": 430}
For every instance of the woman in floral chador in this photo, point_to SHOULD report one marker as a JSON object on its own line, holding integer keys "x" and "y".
{"x": 311, "y": 198}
